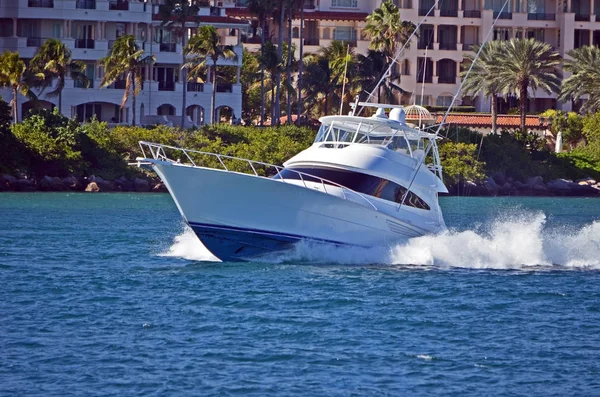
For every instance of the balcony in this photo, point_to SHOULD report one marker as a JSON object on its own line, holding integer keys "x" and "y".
{"x": 118, "y": 85}
{"x": 224, "y": 87}
{"x": 86, "y": 4}
{"x": 421, "y": 45}
{"x": 34, "y": 41}
{"x": 448, "y": 46}
{"x": 541, "y": 17}
{"x": 468, "y": 44}
{"x": 85, "y": 43}
{"x": 168, "y": 47}
{"x": 118, "y": 5}
{"x": 40, "y": 3}
{"x": 195, "y": 87}
{"x": 427, "y": 79}
{"x": 166, "y": 86}
{"x": 472, "y": 13}
{"x": 423, "y": 12}
{"x": 597, "y": 18}
{"x": 502, "y": 15}
{"x": 309, "y": 4}
{"x": 448, "y": 13}
{"x": 311, "y": 41}
{"x": 582, "y": 17}
{"x": 447, "y": 79}
{"x": 81, "y": 84}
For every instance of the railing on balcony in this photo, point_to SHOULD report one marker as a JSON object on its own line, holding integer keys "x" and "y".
{"x": 166, "y": 86}
{"x": 424, "y": 11}
{"x": 582, "y": 17}
{"x": 597, "y": 18}
{"x": 118, "y": 5}
{"x": 472, "y": 13}
{"x": 311, "y": 41}
{"x": 34, "y": 41}
{"x": 468, "y": 44}
{"x": 448, "y": 46}
{"x": 86, "y": 4}
{"x": 541, "y": 17}
{"x": 224, "y": 87}
{"x": 502, "y": 15}
{"x": 41, "y": 3}
{"x": 421, "y": 45}
{"x": 195, "y": 87}
{"x": 168, "y": 47}
{"x": 118, "y": 85}
{"x": 81, "y": 84}
{"x": 447, "y": 79}
{"x": 448, "y": 13}
{"x": 85, "y": 43}
{"x": 215, "y": 11}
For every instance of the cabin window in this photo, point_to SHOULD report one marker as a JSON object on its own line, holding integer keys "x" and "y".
{"x": 359, "y": 182}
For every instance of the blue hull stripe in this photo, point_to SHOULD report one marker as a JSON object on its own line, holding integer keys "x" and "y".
{"x": 277, "y": 235}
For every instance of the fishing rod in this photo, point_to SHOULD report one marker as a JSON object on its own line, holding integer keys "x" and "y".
{"x": 397, "y": 56}
{"x": 464, "y": 79}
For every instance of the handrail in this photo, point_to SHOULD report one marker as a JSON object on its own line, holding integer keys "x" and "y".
{"x": 157, "y": 150}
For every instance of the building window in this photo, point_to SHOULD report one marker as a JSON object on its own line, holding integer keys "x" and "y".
{"x": 344, "y": 33}
{"x": 422, "y": 100}
{"x": 406, "y": 67}
{"x": 57, "y": 30}
{"x": 444, "y": 100}
{"x": 501, "y": 34}
{"x": 344, "y": 3}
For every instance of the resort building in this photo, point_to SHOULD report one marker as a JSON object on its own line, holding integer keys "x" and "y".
{"x": 90, "y": 27}
{"x": 431, "y": 66}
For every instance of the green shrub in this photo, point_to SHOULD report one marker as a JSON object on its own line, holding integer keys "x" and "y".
{"x": 455, "y": 109}
{"x": 460, "y": 162}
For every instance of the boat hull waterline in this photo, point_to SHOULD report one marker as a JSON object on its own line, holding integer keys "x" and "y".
{"x": 241, "y": 217}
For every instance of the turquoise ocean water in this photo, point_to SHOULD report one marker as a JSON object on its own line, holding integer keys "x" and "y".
{"x": 109, "y": 294}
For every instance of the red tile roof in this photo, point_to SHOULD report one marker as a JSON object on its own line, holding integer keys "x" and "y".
{"x": 242, "y": 12}
{"x": 485, "y": 120}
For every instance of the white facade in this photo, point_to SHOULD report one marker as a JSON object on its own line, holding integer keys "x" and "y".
{"x": 89, "y": 28}
{"x": 448, "y": 33}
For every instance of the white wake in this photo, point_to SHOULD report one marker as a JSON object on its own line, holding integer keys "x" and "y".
{"x": 519, "y": 241}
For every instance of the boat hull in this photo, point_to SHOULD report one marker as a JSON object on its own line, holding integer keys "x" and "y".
{"x": 241, "y": 217}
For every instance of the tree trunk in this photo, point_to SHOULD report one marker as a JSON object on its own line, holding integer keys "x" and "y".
{"x": 133, "y": 98}
{"x": 289, "y": 67}
{"x": 280, "y": 57}
{"x": 494, "y": 111}
{"x": 523, "y": 103}
{"x": 272, "y": 103}
{"x": 214, "y": 93}
{"x": 184, "y": 78}
{"x": 262, "y": 74}
{"x": 301, "y": 64}
{"x": 15, "y": 104}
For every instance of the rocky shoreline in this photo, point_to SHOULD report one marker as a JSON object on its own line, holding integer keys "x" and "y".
{"x": 498, "y": 185}
{"x": 23, "y": 183}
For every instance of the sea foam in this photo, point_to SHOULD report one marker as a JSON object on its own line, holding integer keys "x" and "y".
{"x": 516, "y": 241}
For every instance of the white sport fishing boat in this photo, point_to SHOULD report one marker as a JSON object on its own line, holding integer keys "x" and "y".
{"x": 364, "y": 182}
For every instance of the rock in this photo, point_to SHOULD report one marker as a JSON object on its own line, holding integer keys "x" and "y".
{"x": 534, "y": 181}
{"x": 520, "y": 185}
{"x": 159, "y": 188}
{"x": 540, "y": 189}
{"x": 586, "y": 182}
{"x": 24, "y": 185}
{"x": 141, "y": 185}
{"x": 499, "y": 178}
{"x": 124, "y": 184}
{"x": 104, "y": 185}
{"x": 71, "y": 182}
{"x": 490, "y": 184}
{"x": 7, "y": 182}
{"x": 560, "y": 184}
{"x": 51, "y": 184}
{"x": 92, "y": 187}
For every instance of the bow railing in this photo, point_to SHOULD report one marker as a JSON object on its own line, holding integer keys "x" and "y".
{"x": 161, "y": 152}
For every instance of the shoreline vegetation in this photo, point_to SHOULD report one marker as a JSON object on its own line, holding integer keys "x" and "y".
{"x": 49, "y": 152}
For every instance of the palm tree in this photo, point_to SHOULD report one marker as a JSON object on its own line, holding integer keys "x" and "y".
{"x": 125, "y": 60}
{"x": 371, "y": 69}
{"x": 174, "y": 14}
{"x": 585, "y": 77}
{"x": 262, "y": 9}
{"x": 388, "y": 33}
{"x": 319, "y": 80}
{"x": 13, "y": 75}
{"x": 386, "y": 30}
{"x": 54, "y": 60}
{"x": 483, "y": 76}
{"x": 281, "y": 14}
{"x": 528, "y": 63}
{"x": 204, "y": 47}
{"x": 341, "y": 61}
